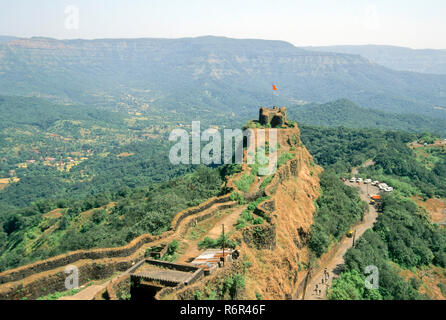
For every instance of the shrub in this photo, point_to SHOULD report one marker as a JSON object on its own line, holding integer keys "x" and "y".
{"x": 236, "y": 196}
{"x": 266, "y": 182}
{"x": 284, "y": 157}
{"x": 208, "y": 243}
{"x": 245, "y": 182}
{"x": 258, "y": 220}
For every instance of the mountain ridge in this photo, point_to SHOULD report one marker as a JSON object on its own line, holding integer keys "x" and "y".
{"x": 395, "y": 57}
{"x": 199, "y": 76}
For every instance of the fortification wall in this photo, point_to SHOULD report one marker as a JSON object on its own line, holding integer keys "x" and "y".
{"x": 50, "y": 273}
{"x": 71, "y": 257}
{"x": 55, "y": 281}
{"x": 201, "y": 207}
{"x": 212, "y": 281}
{"x": 94, "y": 254}
{"x": 117, "y": 289}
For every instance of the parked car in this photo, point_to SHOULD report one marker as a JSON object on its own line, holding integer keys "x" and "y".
{"x": 375, "y": 183}
{"x": 367, "y": 181}
{"x": 359, "y": 180}
{"x": 353, "y": 180}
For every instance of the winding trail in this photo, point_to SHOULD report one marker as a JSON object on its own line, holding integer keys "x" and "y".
{"x": 334, "y": 258}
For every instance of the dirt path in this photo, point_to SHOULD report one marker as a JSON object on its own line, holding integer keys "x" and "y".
{"x": 229, "y": 220}
{"x": 336, "y": 254}
{"x": 255, "y": 187}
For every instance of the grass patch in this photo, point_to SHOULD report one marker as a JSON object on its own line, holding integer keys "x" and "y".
{"x": 208, "y": 243}
{"x": 284, "y": 157}
{"x": 245, "y": 182}
{"x": 57, "y": 295}
{"x": 247, "y": 218}
{"x": 236, "y": 196}
{"x": 266, "y": 182}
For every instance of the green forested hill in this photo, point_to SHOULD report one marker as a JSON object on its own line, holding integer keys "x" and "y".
{"x": 71, "y": 151}
{"x": 103, "y": 150}
{"x": 340, "y": 149}
{"x": 23, "y": 111}
{"x": 51, "y": 227}
{"x": 404, "y": 239}
{"x": 346, "y": 113}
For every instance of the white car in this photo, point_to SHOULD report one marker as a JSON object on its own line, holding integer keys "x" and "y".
{"x": 375, "y": 183}
{"x": 367, "y": 181}
{"x": 388, "y": 189}
{"x": 353, "y": 180}
{"x": 359, "y": 180}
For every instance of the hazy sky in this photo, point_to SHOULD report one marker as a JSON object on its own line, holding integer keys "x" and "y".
{"x": 410, "y": 23}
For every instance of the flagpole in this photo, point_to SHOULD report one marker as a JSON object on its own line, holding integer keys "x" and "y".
{"x": 272, "y": 98}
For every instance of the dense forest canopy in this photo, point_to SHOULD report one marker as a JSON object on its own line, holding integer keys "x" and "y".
{"x": 347, "y": 114}
{"x": 341, "y": 149}
{"x": 402, "y": 236}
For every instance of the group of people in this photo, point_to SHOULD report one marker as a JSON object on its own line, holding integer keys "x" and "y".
{"x": 324, "y": 281}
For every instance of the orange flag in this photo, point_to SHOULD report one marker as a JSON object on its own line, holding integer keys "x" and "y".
{"x": 274, "y": 87}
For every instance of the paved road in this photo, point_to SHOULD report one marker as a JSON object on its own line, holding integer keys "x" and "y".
{"x": 338, "y": 251}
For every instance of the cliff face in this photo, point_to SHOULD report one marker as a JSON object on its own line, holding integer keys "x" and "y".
{"x": 275, "y": 252}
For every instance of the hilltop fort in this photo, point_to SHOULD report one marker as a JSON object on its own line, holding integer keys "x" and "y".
{"x": 276, "y": 117}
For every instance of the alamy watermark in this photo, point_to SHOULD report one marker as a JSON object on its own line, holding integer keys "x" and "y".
{"x": 71, "y": 17}
{"x": 72, "y": 280}
{"x": 372, "y": 279}
{"x": 261, "y": 147}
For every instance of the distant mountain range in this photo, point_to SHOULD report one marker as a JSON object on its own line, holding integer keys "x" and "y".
{"x": 208, "y": 76}
{"x": 7, "y": 39}
{"x": 398, "y": 58}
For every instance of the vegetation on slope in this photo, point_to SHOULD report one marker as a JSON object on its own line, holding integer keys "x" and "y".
{"x": 110, "y": 219}
{"x": 347, "y": 114}
{"x": 401, "y": 236}
{"x": 341, "y": 149}
{"x": 338, "y": 208}
{"x": 60, "y": 151}
{"x": 176, "y": 78}
{"x": 399, "y": 165}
